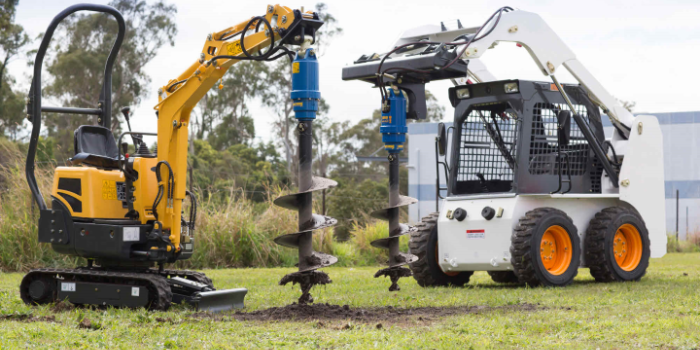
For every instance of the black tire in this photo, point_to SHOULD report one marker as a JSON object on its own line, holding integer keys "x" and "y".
{"x": 504, "y": 276}
{"x": 599, "y": 241}
{"x": 525, "y": 248}
{"x": 426, "y": 270}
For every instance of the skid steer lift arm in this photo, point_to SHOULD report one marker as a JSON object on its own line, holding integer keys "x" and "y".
{"x": 544, "y": 46}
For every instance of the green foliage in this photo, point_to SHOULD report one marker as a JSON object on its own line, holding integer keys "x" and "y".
{"x": 251, "y": 170}
{"x": 222, "y": 116}
{"x": 352, "y": 201}
{"x": 76, "y": 62}
{"x": 12, "y": 40}
{"x": 363, "y": 235}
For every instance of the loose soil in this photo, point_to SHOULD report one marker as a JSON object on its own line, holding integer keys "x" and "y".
{"x": 381, "y": 315}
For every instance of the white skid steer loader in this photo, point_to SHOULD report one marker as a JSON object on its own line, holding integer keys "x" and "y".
{"x": 534, "y": 190}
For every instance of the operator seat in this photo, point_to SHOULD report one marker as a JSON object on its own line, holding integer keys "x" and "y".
{"x": 95, "y": 146}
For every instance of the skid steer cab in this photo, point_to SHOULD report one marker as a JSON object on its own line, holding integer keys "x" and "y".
{"x": 535, "y": 191}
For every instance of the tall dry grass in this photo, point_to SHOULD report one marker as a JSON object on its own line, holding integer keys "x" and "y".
{"x": 19, "y": 215}
{"x": 691, "y": 244}
{"x": 231, "y": 230}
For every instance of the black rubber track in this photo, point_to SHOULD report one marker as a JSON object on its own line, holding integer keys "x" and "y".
{"x": 504, "y": 276}
{"x": 602, "y": 264}
{"x": 426, "y": 270}
{"x": 158, "y": 288}
{"x": 526, "y": 266}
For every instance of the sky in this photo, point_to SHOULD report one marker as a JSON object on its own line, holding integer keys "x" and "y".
{"x": 642, "y": 51}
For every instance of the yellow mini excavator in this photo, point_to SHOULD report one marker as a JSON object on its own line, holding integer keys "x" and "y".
{"x": 123, "y": 212}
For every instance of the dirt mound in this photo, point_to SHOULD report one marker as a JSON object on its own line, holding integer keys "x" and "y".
{"x": 62, "y": 306}
{"x": 386, "y": 315}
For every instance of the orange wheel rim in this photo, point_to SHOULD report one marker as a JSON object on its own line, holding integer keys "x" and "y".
{"x": 437, "y": 260}
{"x": 556, "y": 250}
{"x": 627, "y": 247}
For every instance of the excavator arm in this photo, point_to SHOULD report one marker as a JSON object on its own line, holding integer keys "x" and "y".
{"x": 259, "y": 35}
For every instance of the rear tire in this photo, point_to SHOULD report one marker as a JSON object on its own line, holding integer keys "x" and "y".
{"x": 426, "y": 270}
{"x": 545, "y": 248}
{"x": 503, "y": 276}
{"x": 617, "y": 245}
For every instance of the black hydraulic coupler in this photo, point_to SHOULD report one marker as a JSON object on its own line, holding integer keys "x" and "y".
{"x": 393, "y": 131}
{"x": 305, "y": 96}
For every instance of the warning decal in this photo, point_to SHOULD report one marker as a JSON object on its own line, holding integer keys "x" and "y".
{"x": 109, "y": 189}
{"x": 234, "y": 48}
{"x": 476, "y": 234}
{"x": 113, "y": 190}
{"x": 295, "y": 67}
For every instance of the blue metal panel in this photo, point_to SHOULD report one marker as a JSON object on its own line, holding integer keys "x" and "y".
{"x": 305, "y": 91}
{"x": 393, "y": 127}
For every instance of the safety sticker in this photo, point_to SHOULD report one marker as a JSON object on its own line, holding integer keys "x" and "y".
{"x": 134, "y": 291}
{"x": 234, "y": 48}
{"x": 476, "y": 234}
{"x": 109, "y": 189}
{"x": 67, "y": 287}
{"x": 295, "y": 67}
{"x": 131, "y": 234}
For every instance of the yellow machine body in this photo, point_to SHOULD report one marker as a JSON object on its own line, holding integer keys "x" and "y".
{"x": 93, "y": 193}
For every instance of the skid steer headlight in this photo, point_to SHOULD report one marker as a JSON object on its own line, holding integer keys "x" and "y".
{"x": 463, "y": 93}
{"x": 511, "y": 88}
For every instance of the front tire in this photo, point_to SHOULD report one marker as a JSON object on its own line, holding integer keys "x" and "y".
{"x": 617, "y": 245}
{"x": 426, "y": 270}
{"x": 545, "y": 248}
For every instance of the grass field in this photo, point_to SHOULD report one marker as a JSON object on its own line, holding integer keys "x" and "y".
{"x": 661, "y": 311}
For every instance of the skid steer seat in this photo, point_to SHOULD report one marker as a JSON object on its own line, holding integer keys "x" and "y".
{"x": 95, "y": 146}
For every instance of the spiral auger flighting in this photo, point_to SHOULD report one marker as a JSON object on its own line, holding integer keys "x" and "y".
{"x": 397, "y": 259}
{"x": 305, "y": 95}
{"x": 393, "y": 131}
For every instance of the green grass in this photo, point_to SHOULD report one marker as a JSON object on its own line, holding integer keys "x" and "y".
{"x": 661, "y": 311}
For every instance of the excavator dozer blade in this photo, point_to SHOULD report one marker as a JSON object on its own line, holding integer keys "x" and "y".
{"x": 221, "y": 300}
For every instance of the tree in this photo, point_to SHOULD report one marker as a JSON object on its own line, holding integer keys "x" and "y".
{"x": 12, "y": 40}
{"x": 222, "y": 117}
{"x": 436, "y": 112}
{"x": 82, "y": 45}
